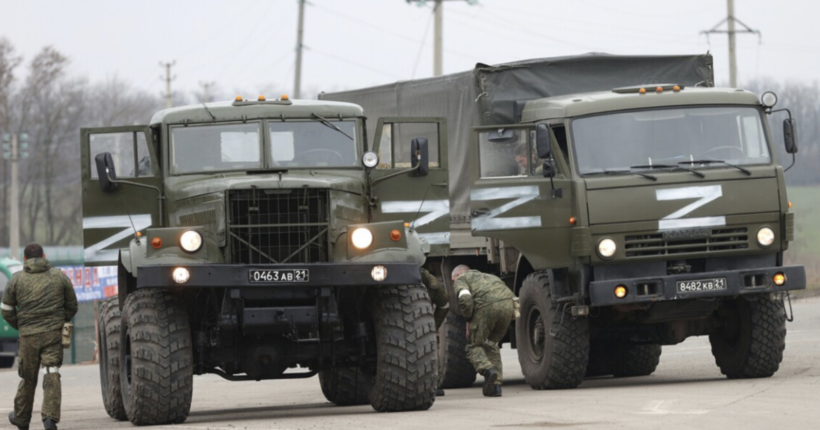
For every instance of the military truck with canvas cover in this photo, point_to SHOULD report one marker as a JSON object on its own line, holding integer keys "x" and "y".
{"x": 249, "y": 246}
{"x": 628, "y": 202}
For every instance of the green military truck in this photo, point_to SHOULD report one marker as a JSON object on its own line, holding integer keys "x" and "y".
{"x": 8, "y": 335}
{"x": 249, "y": 245}
{"x": 628, "y": 202}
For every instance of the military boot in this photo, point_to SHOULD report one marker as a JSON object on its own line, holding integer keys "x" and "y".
{"x": 439, "y": 392}
{"x": 49, "y": 424}
{"x": 490, "y": 376}
{"x": 496, "y": 391}
{"x": 14, "y": 423}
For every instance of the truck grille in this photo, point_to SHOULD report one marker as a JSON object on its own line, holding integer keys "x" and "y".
{"x": 722, "y": 239}
{"x": 278, "y": 226}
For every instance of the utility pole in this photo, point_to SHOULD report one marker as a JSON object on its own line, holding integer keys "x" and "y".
{"x": 297, "y": 84}
{"x": 168, "y": 94}
{"x": 438, "y": 32}
{"x": 206, "y": 91}
{"x": 15, "y": 147}
{"x": 731, "y": 31}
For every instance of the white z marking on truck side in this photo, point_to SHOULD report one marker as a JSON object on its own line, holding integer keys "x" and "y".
{"x": 491, "y": 222}
{"x": 703, "y": 194}
{"x": 432, "y": 210}
{"x": 97, "y": 253}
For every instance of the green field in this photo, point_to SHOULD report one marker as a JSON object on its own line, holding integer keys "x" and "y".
{"x": 805, "y": 249}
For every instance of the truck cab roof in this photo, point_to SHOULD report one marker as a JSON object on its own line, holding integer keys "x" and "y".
{"x": 574, "y": 105}
{"x": 255, "y": 109}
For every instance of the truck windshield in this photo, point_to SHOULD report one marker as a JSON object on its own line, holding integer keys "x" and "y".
{"x": 314, "y": 143}
{"x": 214, "y": 147}
{"x": 634, "y": 140}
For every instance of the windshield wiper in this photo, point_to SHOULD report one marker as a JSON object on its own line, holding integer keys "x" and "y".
{"x": 327, "y": 123}
{"x": 746, "y": 171}
{"x": 668, "y": 166}
{"x": 609, "y": 172}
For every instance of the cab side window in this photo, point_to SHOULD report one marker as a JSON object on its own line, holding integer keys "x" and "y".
{"x": 504, "y": 152}
{"x": 129, "y": 151}
{"x": 394, "y": 146}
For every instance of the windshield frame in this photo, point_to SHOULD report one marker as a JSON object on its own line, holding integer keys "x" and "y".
{"x": 713, "y": 166}
{"x": 266, "y": 159}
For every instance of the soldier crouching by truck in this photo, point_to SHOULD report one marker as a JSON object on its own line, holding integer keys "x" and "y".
{"x": 488, "y": 306}
{"x": 38, "y": 302}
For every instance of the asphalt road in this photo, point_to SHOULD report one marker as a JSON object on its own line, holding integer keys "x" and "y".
{"x": 686, "y": 392}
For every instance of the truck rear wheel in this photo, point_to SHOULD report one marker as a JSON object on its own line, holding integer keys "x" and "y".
{"x": 635, "y": 360}
{"x": 751, "y": 341}
{"x": 405, "y": 349}
{"x": 458, "y": 371}
{"x": 346, "y": 386}
{"x": 156, "y": 359}
{"x": 108, "y": 345}
{"x": 553, "y": 346}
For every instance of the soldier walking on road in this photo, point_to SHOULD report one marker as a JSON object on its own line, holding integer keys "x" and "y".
{"x": 38, "y": 302}
{"x": 488, "y": 306}
{"x": 441, "y": 300}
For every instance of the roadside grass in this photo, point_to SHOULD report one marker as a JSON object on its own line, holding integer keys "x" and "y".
{"x": 805, "y": 249}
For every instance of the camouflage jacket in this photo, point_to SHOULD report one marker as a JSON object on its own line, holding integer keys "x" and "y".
{"x": 476, "y": 290}
{"x": 39, "y": 299}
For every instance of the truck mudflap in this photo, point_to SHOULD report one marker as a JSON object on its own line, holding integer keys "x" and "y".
{"x": 697, "y": 285}
{"x": 275, "y": 275}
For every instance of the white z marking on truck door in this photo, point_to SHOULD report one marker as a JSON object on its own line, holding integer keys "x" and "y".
{"x": 491, "y": 222}
{"x": 432, "y": 210}
{"x": 97, "y": 253}
{"x": 704, "y": 196}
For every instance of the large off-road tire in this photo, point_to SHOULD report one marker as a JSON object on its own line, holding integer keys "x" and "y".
{"x": 751, "y": 341}
{"x": 635, "y": 360}
{"x": 156, "y": 362}
{"x": 108, "y": 345}
{"x": 406, "y": 359}
{"x": 600, "y": 359}
{"x": 346, "y": 386}
{"x": 553, "y": 346}
{"x": 452, "y": 353}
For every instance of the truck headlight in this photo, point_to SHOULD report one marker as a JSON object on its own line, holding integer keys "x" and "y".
{"x": 190, "y": 241}
{"x": 765, "y": 236}
{"x": 370, "y": 160}
{"x": 607, "y": 248}
{"x": 361, "y": 238}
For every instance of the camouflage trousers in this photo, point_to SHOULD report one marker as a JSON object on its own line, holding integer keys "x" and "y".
{"x": 46, "y": 350}
{"x": 488, "y": 327}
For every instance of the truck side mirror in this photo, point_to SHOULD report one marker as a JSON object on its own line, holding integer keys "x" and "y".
{"x": 542, "y": 141}
{"x": 419, "y": 157}
{"x": 547, "y": 169}
{"x": 790, "y": 135}
{"x": 106, "y": 172}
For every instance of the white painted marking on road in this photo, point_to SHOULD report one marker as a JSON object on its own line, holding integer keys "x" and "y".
{"x": 655, "y": 407}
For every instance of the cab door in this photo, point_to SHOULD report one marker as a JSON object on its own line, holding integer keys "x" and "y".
{"x": 112, "y": 218}
{"x": 513, "y": 201}
{"x": 402, "y": 193}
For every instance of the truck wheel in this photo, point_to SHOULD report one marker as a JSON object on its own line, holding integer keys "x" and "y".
{"x": 156, "y": 371}
{"x": 553, "y": 346}
{"x": 635, "y": 360}
{"x": 346, "y": 386}
{"x": 751, "y": 341}
{"x": 406, "y": 362}
{"x": 108, "y": 345}
{"x": 452, "y": 352}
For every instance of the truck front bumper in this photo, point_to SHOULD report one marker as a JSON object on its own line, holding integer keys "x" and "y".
{"x": 310, "y": 275}
{"x": 736, "y": 282}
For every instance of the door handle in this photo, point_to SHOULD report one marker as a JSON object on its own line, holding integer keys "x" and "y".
{"x": 480, "y": 212}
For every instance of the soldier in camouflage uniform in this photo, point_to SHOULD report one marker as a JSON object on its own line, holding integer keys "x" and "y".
{"x": 37, "y": 302}
{"x": 487, "y": 305}
{"x": 441, "y": 300}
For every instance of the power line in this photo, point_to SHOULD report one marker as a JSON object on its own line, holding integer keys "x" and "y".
{"x": 438, "y": 36}
{"x": 730, "y": 21}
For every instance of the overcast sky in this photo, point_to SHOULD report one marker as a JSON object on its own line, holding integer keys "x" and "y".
{"x": 355, "y": 43}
